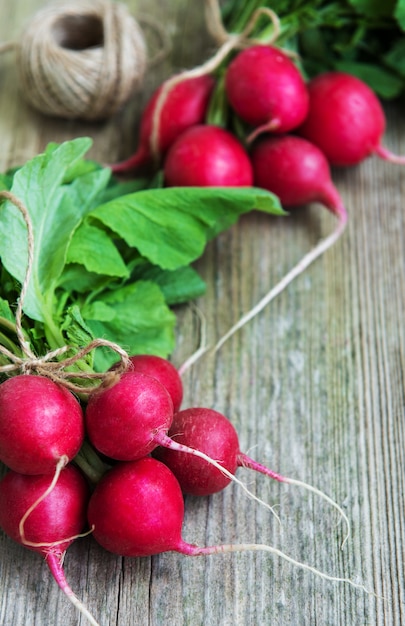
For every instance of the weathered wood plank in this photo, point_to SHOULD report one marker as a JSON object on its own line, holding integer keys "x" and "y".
{"x": 314, "y": 385}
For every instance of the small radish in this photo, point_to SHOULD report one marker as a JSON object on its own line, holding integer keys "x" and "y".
{"x": 46, "y": 514}
{"x": 125, "y": 421}
{"x": 164, "y": 371}
{"x": 207, "y": 156}
{"x": 137, "y": 509}
{"x": 265, "y": 89}
{"x": 40, "y": 422}
{"x": 212, "y": 432}
{"x": 345, "y": 120}
{"x": 297, "y": 172}
{"x": 185, "y": 105}
{"x": 147, "y": 513}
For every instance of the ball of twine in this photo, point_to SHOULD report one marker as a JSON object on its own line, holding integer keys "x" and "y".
{"x": 81, "y": 59}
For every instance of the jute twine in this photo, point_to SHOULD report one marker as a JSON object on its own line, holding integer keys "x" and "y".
{"x": 51, "y": 364}
{"x": 81, "y": 58}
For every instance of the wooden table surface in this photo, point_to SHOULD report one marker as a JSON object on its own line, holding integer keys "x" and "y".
{"x": 314, "y": 385}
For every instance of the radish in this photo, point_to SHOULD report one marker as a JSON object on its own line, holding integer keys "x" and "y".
{"x": 164, "y": 371}
{"x": 185, "y": 105}
{"x": 211, "y": 432}
{"x": 345, "y": 120}
{"x": 40, "y": 422}
{"x": 207, "y": 156}
{"x": 46, "y": 514}
{"x": 266, "y": 90}
{"x": 297, "y": 172}
{"x": 137, "y": 509}
{"x": 126, "y": 421}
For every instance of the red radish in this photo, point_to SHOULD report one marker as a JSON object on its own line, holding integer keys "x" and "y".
{"x": 345, "y": 120}
{"x": 297, "y": 172}
{"x": 185, "y": 105}
{"x": 211, "y": 432}
{"x": 45, "y": 514}
{"x": 207, "y": 156}
{"x": 137, "y": 509}
{"x": 148, "y": 512}
{"x": 126, "y": 421}
{"x": 164, "y": 371}
{"x": 40, "y": 422}
{"x": 266, "y": 89}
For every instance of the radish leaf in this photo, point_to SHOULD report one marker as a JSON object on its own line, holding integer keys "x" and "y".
{"x": 171, "y": 226}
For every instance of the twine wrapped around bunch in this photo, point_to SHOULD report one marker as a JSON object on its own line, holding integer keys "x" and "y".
{"x": 81, "y": 59}
{"x": 51, "y": 364}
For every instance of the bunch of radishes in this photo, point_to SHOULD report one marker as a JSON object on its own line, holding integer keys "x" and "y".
{"x": 294, "y": 130}
{"x": 284, "y": 135}
{"x": 149, "y": 450}
{"x": 151, "y": 453}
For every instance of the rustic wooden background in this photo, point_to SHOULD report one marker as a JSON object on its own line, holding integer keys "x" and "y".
{"x": 314, "y": 385}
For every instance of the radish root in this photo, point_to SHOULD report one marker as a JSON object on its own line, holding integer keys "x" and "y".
{"x": 191, "y": 550}
{"x": 54, "y": 562}
{"x": 298, "y": 269}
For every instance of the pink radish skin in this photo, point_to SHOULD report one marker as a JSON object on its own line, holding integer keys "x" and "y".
{"x": 296, "y": 171}
{"x": 207, "y": 156}
{"x": 164, "y": 371}
{"x": 186, "y": 105}
{"x": 266, "y": 90}
{"x": 40, "y": 422}
{"x": 345, "y": 120}
{"x": 137, "y": 510}
{"x": 61, "y": 514}
{"x": 148, "y": 512}
{"x": 52, "y": 524}
{"x": 126, "y": 421}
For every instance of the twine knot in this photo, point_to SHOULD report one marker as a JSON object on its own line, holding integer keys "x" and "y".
{"x": 51, "y": 364}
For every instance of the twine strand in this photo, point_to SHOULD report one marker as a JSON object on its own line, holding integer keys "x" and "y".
{"x": 221, "y": 35}
{"x": 49, "y": 364}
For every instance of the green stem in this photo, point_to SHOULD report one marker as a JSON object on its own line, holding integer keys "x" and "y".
{"x": 90, "y": 463}
{"x": 87, "y": 469}
{"x": 8, "y": 324}
{"x": 9, "y": 344}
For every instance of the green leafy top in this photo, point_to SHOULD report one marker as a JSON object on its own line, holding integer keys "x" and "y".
{"x": 363, "y": 37}
{"x": 108, "y": 261}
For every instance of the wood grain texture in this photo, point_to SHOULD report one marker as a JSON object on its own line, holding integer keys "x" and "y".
{"x": 314, "y": 386}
